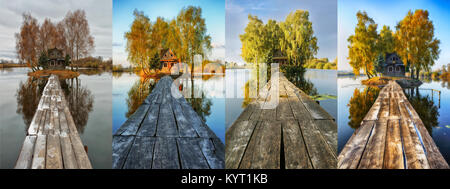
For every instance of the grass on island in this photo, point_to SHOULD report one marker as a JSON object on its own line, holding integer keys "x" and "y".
{"x": 376, "y": 81}
{"x": 62, "y": 74}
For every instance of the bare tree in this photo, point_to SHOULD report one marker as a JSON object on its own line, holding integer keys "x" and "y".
{"x": 27, "y": 42}
{"x": 79, "y": 41}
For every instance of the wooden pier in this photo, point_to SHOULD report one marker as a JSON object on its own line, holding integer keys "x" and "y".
{"x": 391, "y": 136}
{"x": 166, "y": 133}
{"x": 52, "y": 141}
{"x": 297, "y": 134}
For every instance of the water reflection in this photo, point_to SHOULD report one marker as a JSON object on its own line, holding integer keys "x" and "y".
{"x": 78, "y": 97}
{"x": 293, "y": 74}
{"x": 144, "y": 86}
{"x": 138, "y": 93}
{"x": 28, "y": 95}
{"x": 426, "y": 108}
{"x": 360, "y": 103}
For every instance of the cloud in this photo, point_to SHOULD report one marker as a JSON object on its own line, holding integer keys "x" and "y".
{"x": 218, "y": 45}
{"x": 98, "y": 13}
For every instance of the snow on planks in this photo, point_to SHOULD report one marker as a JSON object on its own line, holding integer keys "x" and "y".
{"x": 166, "y": 133}
{"x": 52, "y": 141}
{"x": 297, "y": 134}
{"x": 391, "y": 136}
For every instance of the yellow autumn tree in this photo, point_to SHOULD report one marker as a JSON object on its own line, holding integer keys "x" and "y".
{"x": 363, "y": 45}
{"x": 416, "y": 43}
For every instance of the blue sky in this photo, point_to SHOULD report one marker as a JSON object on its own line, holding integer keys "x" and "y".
{"x": 389, "y": 12}
{"x": 323, "y": 14}
{"x": 212, "y": 10}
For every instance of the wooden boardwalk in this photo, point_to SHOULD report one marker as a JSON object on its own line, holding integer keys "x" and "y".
{"x": 52, "y": 141}
{"x": 166, "y": 133}
{"x": 297, "y": 134}
{"x": 391, "y": 136}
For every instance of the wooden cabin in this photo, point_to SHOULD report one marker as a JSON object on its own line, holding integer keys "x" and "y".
{"x": 56, "y": 59}
{"x": 393, "y": 65}
{"x": 168, "y": 60}
{"x": 279, "y": 58}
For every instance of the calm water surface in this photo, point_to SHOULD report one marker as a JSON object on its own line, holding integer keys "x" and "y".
{"x": 89, "y": 99}
{"x": 129, "y": 91}
{"x": 356, "y": 99}
{"x": 221, "y": 97}
{"x": 320, "y": 82}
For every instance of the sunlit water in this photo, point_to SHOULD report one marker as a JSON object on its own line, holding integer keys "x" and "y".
{"x": 435, "y": 116}
{"x": 91, "y": 109}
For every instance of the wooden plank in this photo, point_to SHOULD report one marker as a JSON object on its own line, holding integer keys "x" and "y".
{"x": 316, "y": 111}
{"x": 34, "y": 126}
{"x": 373, "y": 156}
{"x": 352, "y": 152}
{"x": 236, "y": 139}
{"x": 39, "y": 152}
{"x": 141, "y": 153}
{"x": 148, "y": 127}
{"x": 185, "y": 128}
{"x": 320, "y": 153}
{"x": 166, "y": 122}
{"x": 196, "y": 122}
{"x": 121, "y": 146}
{"x": 263, "y": 151}
{"x": 328, "y": 128}
{"x": 67, "y": 152}
{"x": 80, "y": 154}
{"x": 26, "y": 153}
{"x": 284, "y": 111}
{"x": 63, "y": 123}
{"x": 54, "y": 157}
{"x": 393, "y": 156}
{"x": 131, "y": 126}
{"x": 165, "y": 155}
{"x": 191, "y": 156}
{"x": 295, "y": 152}
{"x": 414, "y": 151}
{"x": 214, "y": 152}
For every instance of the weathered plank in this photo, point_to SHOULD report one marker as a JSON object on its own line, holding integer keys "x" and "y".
{"x": 398, "y": 140}
{"x": 165, "y": 155}
{"x": 121, "y": 148}
{"x": 237, "y": 136}
{"x": 296, "y": 154}
{"x": 166, "y": 133}
{"x": 296, "y": 133}
{"x": 26, "y": 154}
{"x": 141, "y": 153}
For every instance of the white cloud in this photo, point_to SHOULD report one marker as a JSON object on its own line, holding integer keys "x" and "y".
{"x": 98, "y": 13}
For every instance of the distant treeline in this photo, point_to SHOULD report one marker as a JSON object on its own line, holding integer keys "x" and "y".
{"x": 321, "y": 63}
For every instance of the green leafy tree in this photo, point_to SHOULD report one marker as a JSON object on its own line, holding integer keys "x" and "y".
{"x": 386, "y": 41}
{"x": 378, "y": 63}
{"x": 43, "y": 60}
{"x": 254, "y": 48}
{"x": 67, "y": 60}
{"x": 193, "y": 37}
{"x": 298, "y": 41}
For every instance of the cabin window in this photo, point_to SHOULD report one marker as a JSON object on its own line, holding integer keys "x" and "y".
{"x": 390, "y": 69}
{"x": 397, "y": 69}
